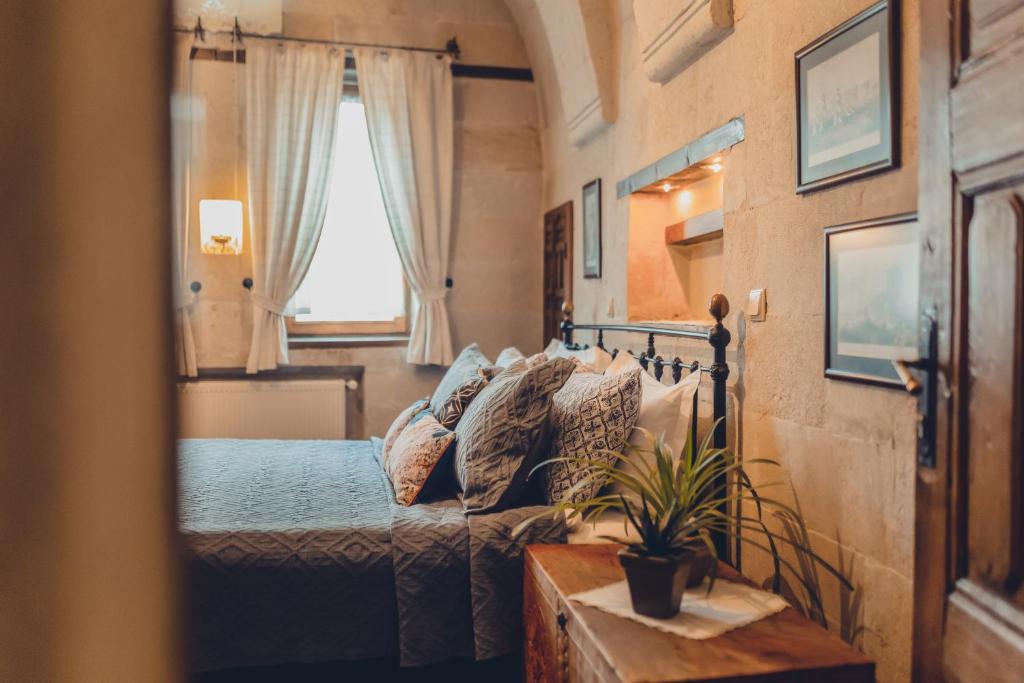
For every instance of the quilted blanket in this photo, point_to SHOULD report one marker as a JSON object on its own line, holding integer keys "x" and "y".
{"x": 298, "y": 552}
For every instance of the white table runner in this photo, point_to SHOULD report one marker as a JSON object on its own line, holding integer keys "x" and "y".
{"x": 701, "y": 615}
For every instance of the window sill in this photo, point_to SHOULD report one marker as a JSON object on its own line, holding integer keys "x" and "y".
{"x": 308, "y": 341}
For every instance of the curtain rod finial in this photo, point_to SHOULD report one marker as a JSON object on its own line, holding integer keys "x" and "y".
{"x": 452, "y": 48}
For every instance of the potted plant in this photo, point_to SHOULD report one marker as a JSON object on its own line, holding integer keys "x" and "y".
{"x": 673, "y": 505}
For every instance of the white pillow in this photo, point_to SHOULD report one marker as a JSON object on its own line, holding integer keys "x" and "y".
{"x": 663, "y": 408}
{"x": 594, "y": 359}
{"x": 509, "y": 356}
{"x": 552, "y": 347}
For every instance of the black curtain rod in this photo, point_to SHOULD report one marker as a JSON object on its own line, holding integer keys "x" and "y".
{"x": 450, "y": 48}
{"x": 459, "y": 70}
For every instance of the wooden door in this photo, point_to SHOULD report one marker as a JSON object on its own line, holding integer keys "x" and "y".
{"x": 557, "y": 267}
{"x": 969, "y": 555}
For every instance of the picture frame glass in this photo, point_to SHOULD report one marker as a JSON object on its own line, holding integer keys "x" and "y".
{"x": 872, "y": 288}
{"x": 846, "y": 95}
{"x": 592, "y": 229}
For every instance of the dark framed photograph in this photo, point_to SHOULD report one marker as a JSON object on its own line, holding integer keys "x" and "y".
{"x": 847, "y": 100}
{"x": 592, "y": 229}
{"x": 871, "y": 298}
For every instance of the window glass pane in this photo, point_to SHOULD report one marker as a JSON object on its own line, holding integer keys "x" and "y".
{"x": 355, "y": 275}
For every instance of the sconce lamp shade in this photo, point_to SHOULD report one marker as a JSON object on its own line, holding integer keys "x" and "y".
{"x": 220, "y": 226}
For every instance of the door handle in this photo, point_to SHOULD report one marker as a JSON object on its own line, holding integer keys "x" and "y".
{"x": 926, "y": 388}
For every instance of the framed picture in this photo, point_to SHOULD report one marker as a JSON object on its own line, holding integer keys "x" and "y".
{"x": 871, "y": 298}
{"x": 847, "y": 100}
{"x": 592, "y": 229}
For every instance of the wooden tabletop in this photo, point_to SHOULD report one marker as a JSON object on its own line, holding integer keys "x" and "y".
{"x": 783, "y": 647}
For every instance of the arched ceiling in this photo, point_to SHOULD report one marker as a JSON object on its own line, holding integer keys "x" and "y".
{"x": 570, "y": 47}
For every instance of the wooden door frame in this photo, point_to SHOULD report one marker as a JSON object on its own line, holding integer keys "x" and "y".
{"x": 566, "y": 211}
{"x": 940, "y": 256}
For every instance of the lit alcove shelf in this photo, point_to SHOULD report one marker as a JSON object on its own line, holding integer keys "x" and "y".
{"x": 700, "y": 228}
{"x": 677, "y": 229}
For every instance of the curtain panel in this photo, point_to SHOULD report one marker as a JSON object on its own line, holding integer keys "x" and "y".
{"x": 409, "y": 112}
{"x": 182, "y": 135}
{"x": 292, "y": 95}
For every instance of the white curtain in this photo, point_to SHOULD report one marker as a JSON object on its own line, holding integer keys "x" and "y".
{"x": 182, "y": 120}
{"x": 292, "y": 95}
{"x": 408, "y": 101}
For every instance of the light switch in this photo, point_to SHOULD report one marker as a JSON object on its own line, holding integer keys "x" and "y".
{"x": 757, "y": 305}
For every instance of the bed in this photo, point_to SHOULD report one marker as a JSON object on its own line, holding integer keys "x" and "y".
{"x": 297, "y": 551}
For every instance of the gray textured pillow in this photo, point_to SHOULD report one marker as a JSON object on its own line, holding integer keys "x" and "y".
{"x": 498, "y": 435}
{"x": 591, "y": 413}
{"x": 464, "y": 368}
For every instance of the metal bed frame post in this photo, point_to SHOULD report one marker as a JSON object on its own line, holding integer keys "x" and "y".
{"x": 718, "y": 336}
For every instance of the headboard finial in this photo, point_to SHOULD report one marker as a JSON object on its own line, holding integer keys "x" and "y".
{"x": 567, "y": 309}
{"x": 718, "y": 307}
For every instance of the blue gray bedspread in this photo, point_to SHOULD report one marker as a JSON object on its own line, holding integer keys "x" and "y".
{"x": 298, "y": 552}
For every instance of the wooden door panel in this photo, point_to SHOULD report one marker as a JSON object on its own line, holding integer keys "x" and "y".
{"x": 969, "y": 554}
{"x": 991, "y": 23}
{"x": 983, "y": 640}
{"x": 984, "y": 102}
{"x": 991, "y": 445}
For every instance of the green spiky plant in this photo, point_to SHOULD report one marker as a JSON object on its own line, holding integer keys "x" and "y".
{"x": 674, "y": 504}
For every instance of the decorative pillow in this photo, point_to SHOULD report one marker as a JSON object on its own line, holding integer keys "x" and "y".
{"x": 452, "y": 409}
{"x": 415, "y": 456}
{"x": 501, "y": 434}
{"x": 590, "y": 414}
{"x": 400, "y": 423}
{"x": 593, "y": 359}
{"x": 664, "y": 409}
{"x": 509, "y": 356}
{"x": 537, "y": 359}
{"x": 462, "y": 369}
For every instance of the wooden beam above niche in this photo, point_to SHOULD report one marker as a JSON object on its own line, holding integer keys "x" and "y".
{"x": 679, "y": 162}
{"x": 673, "y": 35}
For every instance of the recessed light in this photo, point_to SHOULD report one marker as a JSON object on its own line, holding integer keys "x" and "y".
{"x": 714, "y": 168}
{"x": 666, "y": 187}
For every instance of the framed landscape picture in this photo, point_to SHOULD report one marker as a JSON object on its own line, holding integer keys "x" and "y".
{"x": 871, "y": 298}
{"x": 847, "y": 100}
{"x": 592, "y": 229}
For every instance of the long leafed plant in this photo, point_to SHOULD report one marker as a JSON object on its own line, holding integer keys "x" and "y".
{"x": 675, "y": 504}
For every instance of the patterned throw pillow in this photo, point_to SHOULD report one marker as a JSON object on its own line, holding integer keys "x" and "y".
{"x": 537, "y": 359}
{"x": 464, "y": 368}
{"x": 591, "y": 413}
{"x": 452, "y": 409}
{"x": 415, "y": 456}
{"x": 501, "y": 434}
{"x": 400, "y": 423}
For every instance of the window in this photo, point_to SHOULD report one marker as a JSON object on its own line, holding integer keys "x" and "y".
{"x": 355, "y": 283}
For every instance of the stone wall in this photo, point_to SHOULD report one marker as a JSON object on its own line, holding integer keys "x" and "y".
{"x": 848, "y": 449}
{"x": 497, "y": 256}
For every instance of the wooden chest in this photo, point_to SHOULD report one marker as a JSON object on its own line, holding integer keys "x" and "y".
{"x": 566, "y": 641}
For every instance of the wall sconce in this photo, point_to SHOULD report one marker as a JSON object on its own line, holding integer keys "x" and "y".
{"x": 220, "y": 226}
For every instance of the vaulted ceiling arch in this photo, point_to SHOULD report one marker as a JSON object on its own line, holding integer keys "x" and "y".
{"x": 571, "y": 51}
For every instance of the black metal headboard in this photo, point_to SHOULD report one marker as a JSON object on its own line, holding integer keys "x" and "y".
{"x": 716, "y": 335}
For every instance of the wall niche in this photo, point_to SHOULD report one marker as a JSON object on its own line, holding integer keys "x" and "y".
{"x": 675, "y": 244}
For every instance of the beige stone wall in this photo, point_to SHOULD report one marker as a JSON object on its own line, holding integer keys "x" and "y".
{"x": 848, "y": 449}
{"x": 497, "y": 257}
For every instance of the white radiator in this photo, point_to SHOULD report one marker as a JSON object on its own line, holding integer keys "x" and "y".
{"x": 251, "y": 409}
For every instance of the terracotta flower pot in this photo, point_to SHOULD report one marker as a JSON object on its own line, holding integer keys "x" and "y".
{"x": 656, "y": 584}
